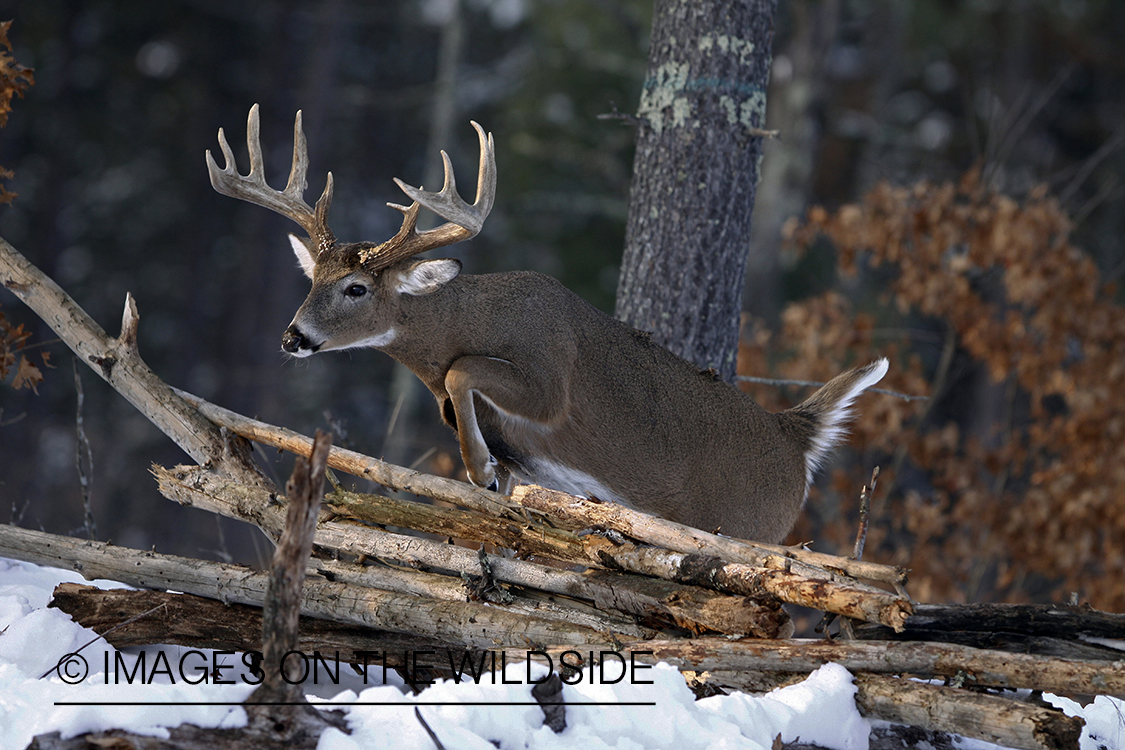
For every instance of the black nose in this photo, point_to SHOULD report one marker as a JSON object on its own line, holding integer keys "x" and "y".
{"x": 292, "y": 340}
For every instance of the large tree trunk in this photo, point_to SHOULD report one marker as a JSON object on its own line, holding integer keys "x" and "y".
{"x": 696, "y": 171}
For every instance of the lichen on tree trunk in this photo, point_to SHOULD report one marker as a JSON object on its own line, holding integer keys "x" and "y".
{"x": 694, "y": 177}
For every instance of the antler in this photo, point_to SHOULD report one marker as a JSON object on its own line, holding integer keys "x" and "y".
{"x": 462, "y": 220}
{"x": 253, "y": 188}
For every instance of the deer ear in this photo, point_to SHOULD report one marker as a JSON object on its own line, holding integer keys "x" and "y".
{"x": 304, "y": 254}
{"x": 428, "y": 276}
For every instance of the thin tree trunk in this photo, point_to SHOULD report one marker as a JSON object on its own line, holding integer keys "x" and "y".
{"x": 696, "y": 171}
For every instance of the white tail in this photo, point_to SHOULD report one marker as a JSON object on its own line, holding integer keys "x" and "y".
{"x": 540, "y": 386}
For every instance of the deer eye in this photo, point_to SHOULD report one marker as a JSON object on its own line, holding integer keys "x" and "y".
{"x": 356, "y": 290}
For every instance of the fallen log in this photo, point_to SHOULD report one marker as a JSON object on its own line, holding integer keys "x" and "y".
{"x": 845, "y": 598}
{"x": 1071, "y": 632}
{"x": 688, "y": 607}
{"x": 191, "y": 486}
{"x": 203, "y": 623}
{"x": 131, "y": 619}
{"x": 199, "y": 622}
{"x": 1058, "y": 620}
{"x": 976, "y": 667}
{"x": 1009, "y": 723}
{"x": 1016, "y": 643}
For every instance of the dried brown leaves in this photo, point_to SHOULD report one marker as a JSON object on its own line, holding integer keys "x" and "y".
{"x": 1008, "y": 489}
{"x": 14, "y": 80}
{"x": 26, "y": 373}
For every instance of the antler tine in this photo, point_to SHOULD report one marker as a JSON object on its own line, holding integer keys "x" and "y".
{"x": 253, "y": 188}
{"x": 464, "y": 221}
{"x": 298, "y": 173}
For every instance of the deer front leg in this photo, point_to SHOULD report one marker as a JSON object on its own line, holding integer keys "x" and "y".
{"x": 519, "y": 400}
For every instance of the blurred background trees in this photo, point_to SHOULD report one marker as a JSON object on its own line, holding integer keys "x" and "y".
{"x": 998, "y": 488}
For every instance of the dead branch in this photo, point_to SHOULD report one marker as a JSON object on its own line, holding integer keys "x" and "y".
{"x": 119, "y": 364}
{"x": 850, "y": 600}
{"x": 277, "y": 708}
{"x": 864, "y": 505}
{"x": 452, "y": 588}
{"x": 585, "y": 513}
{"x": 357, "y": 464}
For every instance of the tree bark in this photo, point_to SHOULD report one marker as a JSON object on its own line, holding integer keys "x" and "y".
{"x": 699, "y": 143}
{"x": 856, "y": 602}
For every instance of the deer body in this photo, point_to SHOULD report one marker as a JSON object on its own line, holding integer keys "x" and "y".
{"x": 541, "y": 386}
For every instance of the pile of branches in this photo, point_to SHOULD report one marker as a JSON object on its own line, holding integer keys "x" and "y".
{"x": 583, "y": 577}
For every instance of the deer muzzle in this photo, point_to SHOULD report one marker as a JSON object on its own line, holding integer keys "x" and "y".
{"x": 294, "y": 342}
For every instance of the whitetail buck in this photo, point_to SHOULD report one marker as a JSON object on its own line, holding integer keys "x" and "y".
{"x": 538, "y": 384}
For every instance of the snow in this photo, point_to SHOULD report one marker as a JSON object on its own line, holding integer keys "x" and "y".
{"x": 33, "y": 639}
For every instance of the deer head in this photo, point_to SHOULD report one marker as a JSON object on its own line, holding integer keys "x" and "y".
{"x": 356, "y": 285}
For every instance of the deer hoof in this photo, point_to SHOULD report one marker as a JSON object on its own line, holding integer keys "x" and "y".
{"x": 487, "y": 477}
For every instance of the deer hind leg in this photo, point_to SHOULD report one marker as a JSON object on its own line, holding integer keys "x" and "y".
{"x": 524, "y": 408}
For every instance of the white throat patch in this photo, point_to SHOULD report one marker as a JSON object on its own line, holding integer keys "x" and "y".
{"x": 375, "y": 341}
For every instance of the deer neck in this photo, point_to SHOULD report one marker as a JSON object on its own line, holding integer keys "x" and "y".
{"x": 433, "y": 330}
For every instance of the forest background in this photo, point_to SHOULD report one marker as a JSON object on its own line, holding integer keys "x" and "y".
{"x": 945, "y": 191}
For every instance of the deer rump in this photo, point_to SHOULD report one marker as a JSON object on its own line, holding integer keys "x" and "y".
{"x": 595, "y": 408}
{"x": 539, "y": 385}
